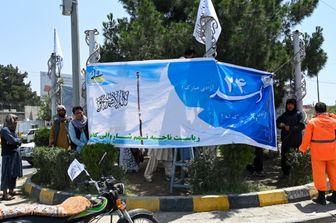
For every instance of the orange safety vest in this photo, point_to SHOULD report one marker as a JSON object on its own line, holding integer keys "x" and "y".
{"x": 320, "y": 136}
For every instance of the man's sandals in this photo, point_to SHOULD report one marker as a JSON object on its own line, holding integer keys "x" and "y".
{"x": 7, "y": 197}
{"x": 10, "y": 195}
{"x": 14, "y": 193}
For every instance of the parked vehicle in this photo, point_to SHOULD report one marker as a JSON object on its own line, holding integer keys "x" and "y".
{"x": 108, "y": 202}
{"x": 30, "y": 136}
{"x": 26, "y": 151}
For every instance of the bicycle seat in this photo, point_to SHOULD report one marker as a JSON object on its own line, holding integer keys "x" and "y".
{"x": 69, "y": 207}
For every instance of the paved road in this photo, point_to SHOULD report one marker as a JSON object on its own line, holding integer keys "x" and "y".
{"x": 27, "y": 168}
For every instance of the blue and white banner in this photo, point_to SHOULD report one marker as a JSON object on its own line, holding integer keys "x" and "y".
{"x": 180, "y": 103}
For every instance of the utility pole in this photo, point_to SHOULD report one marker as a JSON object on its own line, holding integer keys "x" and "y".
{"x": 318, "y": 88}
{"x": 52, "y": 74}
{"x": 69, "y": 7}
{"x": 210, "y": 47}
{"x": 297, "y": 69}
{"x": 207, "y": 27}
{"x": 55, "y": 64}
{"x": 90, "y": 38}
{"x": 94, "y": 55}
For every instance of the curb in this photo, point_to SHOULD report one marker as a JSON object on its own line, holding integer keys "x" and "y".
{"x": 197, "y": 203}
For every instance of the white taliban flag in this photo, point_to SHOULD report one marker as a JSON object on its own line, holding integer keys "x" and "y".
{"x": 75, "y": 169}
{"x": 57, "y": 45}
{"x": 57, "y": 48}
{"x": 206, "y": 13}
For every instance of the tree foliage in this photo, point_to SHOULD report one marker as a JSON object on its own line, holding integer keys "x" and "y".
{"x": 255, "y": 34}
{"x": 332, "y": 109}
{"x": 45, "y": 108}
{"x": 13, "y": 90}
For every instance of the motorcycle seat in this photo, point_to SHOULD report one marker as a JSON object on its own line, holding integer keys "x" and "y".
{"x": 69, "y": 207}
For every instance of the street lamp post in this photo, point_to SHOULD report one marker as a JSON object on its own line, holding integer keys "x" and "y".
{"x": 69, "y": 7}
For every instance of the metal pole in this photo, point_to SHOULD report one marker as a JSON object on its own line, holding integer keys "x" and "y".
{"x": 318, "y": 88}
{"x": 76, "y": 81}
{"x": 94, "y": 54}
{"x": 53, "y": 84}
{"x": 92, "y": 45}
{"x": 297, "y": 69}
{"x": 61, "y": 93}
{"x": 208, "y": 39}
{"x": 139, "y": 109}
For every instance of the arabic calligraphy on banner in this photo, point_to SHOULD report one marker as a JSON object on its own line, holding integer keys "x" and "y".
{"x": 180, "y": 103}
{"x": 168, "y": 137}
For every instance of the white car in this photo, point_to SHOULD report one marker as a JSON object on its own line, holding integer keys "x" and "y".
{"x": 30, "y": 136}
{"x": 26, "y": 151}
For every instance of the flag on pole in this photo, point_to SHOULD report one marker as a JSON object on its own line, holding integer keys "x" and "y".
{"x": 57, "y": 45}
{"x": 75, "y": 169}
{"x": 57, "y": 48}
{"x": 206, "y": 13}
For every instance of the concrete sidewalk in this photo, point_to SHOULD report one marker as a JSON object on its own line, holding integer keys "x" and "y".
{"x": 304, "y": 211}
{"x": 19, "y": 199}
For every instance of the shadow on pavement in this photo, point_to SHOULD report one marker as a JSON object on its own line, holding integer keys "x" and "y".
{"x": 317, "y": 208}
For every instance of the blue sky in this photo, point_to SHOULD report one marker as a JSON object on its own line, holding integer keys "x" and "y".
{"x": 324, "y": 16}
{"x": 27, "y": 29}
{"x": 27, "y": 37}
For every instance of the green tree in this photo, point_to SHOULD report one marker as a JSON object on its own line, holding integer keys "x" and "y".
{"x": 332, "y": 109}
{"x": 45, "y": 108}
{"x": 147, "y": 34}
{"x": 14, "y": 91}
{"x": 255, "y": 34}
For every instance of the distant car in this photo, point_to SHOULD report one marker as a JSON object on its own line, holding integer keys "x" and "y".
{"x": 26, "y": 151}
{"x": 30, "y": 136}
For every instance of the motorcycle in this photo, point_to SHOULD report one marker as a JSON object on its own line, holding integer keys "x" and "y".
{"x": 80, "y": 209}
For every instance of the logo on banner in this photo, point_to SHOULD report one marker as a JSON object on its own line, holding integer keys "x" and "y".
{"x": 97, "y": 76}
{"x": 114, "y": 100}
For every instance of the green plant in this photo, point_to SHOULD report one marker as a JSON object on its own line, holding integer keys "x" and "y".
{"x": 222, "y": 174}
{"x": 42, "y": 159}
{"x": 42, "y": 137}
{"x": 201, "y": 173}
{"x": 62, "y": 161}
{"x": 91, "y": 155}
{"x": 235, "y": 158}
{"x": 300, "y": 163}
{"x": 53, "y": 163}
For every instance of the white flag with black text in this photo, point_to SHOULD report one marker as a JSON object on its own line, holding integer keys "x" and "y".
{"x": 206, "y": 13}
{"x": 75, "y": 169}
{"x": 57, "y": 45}
{"x": 57, "y": 49}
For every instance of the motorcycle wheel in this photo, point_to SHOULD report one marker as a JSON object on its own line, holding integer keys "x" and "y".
{"x": 141, "y": 218}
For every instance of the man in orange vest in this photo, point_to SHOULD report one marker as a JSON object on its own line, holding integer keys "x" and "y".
{"x": 320, "y": 137}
